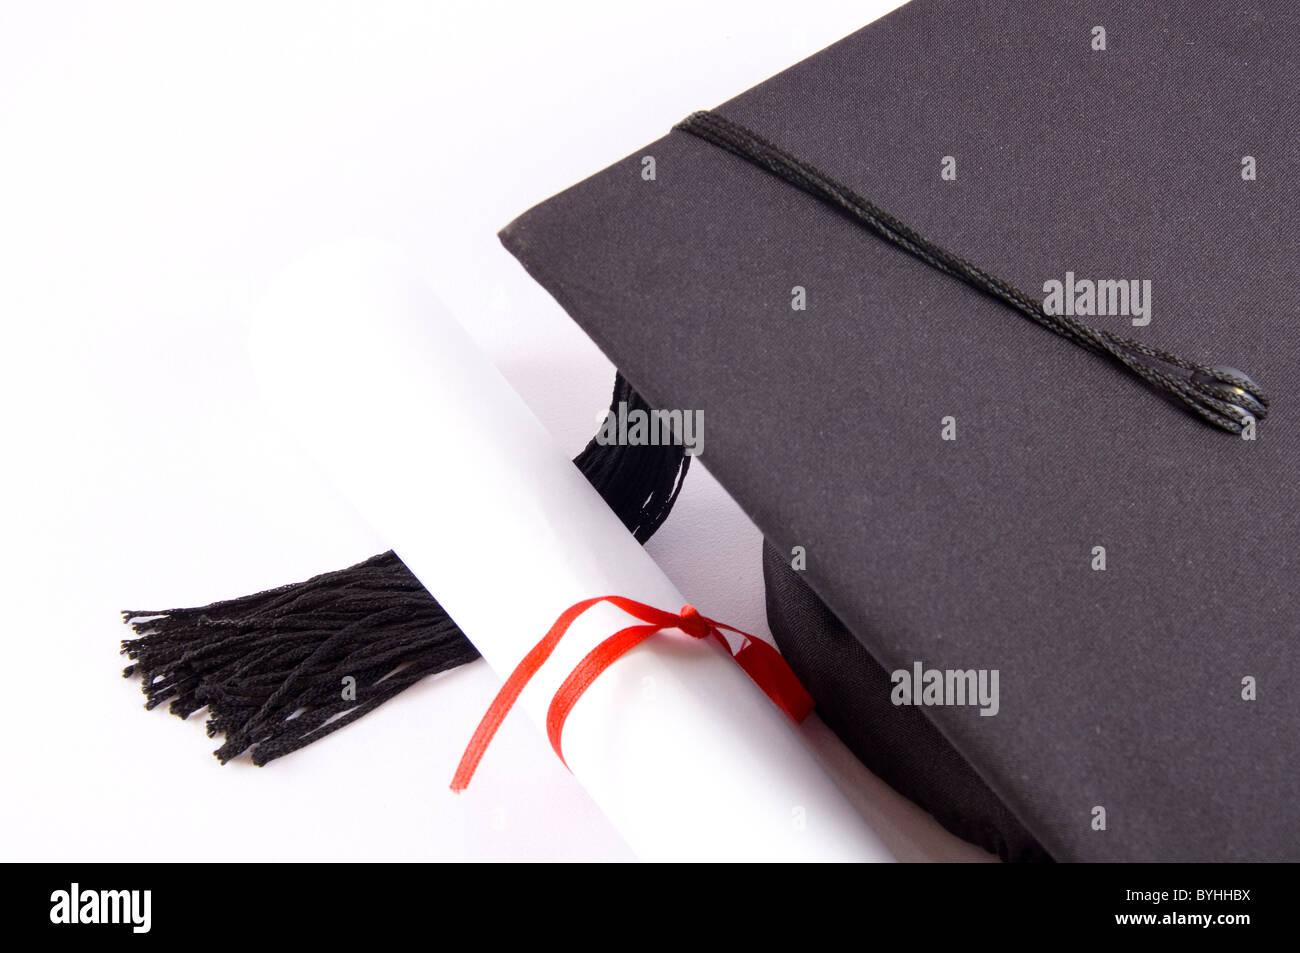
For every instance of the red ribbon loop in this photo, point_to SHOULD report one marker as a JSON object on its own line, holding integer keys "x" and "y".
{"x": 759, "y": 660}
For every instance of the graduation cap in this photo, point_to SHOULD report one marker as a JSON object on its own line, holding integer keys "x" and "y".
{"x": 975, "y": 303}
{"x": 1042, "y": 583}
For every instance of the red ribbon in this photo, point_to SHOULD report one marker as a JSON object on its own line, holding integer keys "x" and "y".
{"x": 759, "y": 660}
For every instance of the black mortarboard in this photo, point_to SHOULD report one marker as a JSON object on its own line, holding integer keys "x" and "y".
{"x": 943, "y": 484}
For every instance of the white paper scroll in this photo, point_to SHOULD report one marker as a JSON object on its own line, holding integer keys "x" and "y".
{"x": 687, "y": 757}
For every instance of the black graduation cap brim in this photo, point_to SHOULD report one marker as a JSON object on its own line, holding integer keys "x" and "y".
{"x": 1120, "y": 689}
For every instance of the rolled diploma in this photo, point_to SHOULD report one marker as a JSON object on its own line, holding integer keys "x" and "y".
{"x": 415, "y": 426}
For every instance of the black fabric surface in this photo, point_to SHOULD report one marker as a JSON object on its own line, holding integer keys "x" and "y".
{"x": 1121, "y": 688}
{"x": 899, "y": 743}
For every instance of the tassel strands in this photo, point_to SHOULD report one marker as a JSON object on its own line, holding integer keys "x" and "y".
{"x": 271, "y": 668}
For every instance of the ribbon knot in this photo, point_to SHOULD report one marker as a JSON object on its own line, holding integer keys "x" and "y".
{"x": 692, "y": 623}
{"x": 760, "y": 661}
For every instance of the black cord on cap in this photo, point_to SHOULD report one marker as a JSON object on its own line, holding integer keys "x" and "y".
{"x": 1222, "y": 396}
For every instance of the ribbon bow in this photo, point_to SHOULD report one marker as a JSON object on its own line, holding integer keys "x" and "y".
{"x": 758, "y": 659}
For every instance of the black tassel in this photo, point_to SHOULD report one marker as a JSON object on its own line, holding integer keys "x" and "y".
{"x": 639, "y": 483}
{"x": 280, "y": 669}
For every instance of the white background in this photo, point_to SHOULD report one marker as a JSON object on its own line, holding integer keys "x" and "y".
{"x": 158, "y": 164}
